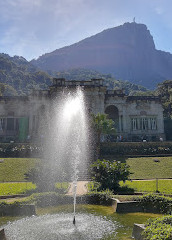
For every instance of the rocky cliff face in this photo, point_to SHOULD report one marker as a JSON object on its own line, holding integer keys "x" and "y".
{"x": 127, "y": 51}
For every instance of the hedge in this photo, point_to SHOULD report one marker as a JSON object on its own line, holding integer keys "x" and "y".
{"x": 20, "y": 150}
{"x": 47, "y": 199}
{"x": 117, "y": 148}
{"x": 156, "y": 203}
{"x": 136, "y": 148}
{"x": 158, "y": 229}
{"x": 99, "y": 198}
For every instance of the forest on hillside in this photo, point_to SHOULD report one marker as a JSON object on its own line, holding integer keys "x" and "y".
{"x": 19, "y": 77}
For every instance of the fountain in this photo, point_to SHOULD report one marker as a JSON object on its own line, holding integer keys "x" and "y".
{"x": 72, "y": 132}
{"x": 67, "y": 144}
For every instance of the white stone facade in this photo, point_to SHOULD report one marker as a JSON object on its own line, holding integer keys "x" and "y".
{"x": 136, "y": 118}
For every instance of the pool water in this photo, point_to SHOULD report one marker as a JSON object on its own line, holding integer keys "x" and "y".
{"x": 92, "y": 222}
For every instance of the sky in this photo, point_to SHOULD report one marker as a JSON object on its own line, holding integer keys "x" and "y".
{"x": 31, "y": 28}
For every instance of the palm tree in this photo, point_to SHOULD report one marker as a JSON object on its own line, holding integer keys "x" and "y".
{"x": 102, "y": 126}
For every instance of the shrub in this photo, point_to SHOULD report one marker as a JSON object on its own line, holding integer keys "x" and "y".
{"x": 100, "y": 198}
{"x": 48, "y": 199}
{"x": 108, "y": 173}
{"x": 158, "y": 229}
{"x": 156, "y": 203}
{"x": 93, "y": 186}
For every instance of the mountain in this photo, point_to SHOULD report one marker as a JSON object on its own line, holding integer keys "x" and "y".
{"x": 127, "y": 51}
{"x": 18, "y": 76}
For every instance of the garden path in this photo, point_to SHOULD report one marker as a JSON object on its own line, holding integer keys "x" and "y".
{"x": 81, "y": 188}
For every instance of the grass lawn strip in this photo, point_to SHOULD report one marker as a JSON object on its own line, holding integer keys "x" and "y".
{"x": 164, "y": 185}
{"x": 13, "y": 169}
{"x": 15, "y": 188}
{"x": 147, "y": 168}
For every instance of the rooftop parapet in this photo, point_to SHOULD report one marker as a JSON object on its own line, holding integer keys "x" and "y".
{"x": 6, "y": 99}
{"x": 39, "y": 93}
{"x": 119, "y": 92}
{"x": 144, "y": 98}
{"x": 61, "y": 82}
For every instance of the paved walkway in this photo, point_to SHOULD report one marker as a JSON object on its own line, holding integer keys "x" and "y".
{"x": 81, "y": 188}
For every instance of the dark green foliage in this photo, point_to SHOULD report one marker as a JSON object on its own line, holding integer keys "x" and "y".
{"x": 158, "y": 229}
{"x": 18, "y": 76}
{"x": 109, "y": 81}
{"x": 49, "y": 199}
{"x": 20, "y": 150}
{"x": 43, "y": 176}
{"x": 165, "y": 92}
{"x": 102, "y": 127}
{"x": 136, "y": 148}
{"x": 108, "y": 174}
{"x": 6, "y": 90}
{"x": 156, "y": 203}
{"x": 5, "y": 204}
{"x": 100, "y": 198}
{"x": 168, "y": 128}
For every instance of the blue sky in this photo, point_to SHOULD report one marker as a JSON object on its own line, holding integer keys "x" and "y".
{"x": 30, "y": 28}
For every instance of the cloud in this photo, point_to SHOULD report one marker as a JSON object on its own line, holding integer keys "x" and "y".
{"x": 33, "y": 27}
{"x": 159, "y": 10}
{"x": 42, "y": 24}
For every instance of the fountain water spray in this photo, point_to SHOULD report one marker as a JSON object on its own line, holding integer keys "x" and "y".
{"x": 74, "y": 198}
{"x": 71, "y": 137}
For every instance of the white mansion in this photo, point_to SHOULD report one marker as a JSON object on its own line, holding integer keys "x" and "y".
{"x": 135, "y": 117}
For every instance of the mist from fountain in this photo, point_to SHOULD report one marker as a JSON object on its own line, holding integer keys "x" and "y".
{"x": 74, "y": 119}
{"x": 68, "y": 140}
{"x": 67, "y": 153}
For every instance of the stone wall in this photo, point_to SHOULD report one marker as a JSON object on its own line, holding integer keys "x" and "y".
{"x": 2, "y": 234}
{"x": 128, "y": 207}
{"x": 21, "y": 210}
{"x": 137, "y": 231}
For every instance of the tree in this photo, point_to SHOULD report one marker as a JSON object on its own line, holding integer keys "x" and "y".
{"x": 108, "y": 174}
{"x": 45, "y": 176}
{"x": 102, "y": 126}
{"x": 165, "y": 92}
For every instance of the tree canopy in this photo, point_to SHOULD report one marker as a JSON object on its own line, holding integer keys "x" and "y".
{"x": 102, "y": 126}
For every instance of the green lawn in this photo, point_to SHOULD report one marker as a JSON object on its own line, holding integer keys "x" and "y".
{"x": 13, "y": 169}
{"x": 15, "y": 188}
{"x": 146, "y": 168}
{"x": 164, "y": 186}
{"x": 22, "y": 187}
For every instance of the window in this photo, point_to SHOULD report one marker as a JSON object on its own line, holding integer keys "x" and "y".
{"x": 10, "y": 124}
{"x": 2, "y": 124}
{"x": 134, "y": 124}
{"x": 143, "y": 123}
{"x": 153, "y": 123}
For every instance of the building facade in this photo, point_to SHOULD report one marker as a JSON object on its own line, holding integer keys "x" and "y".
{"x": 136, "y": 117}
